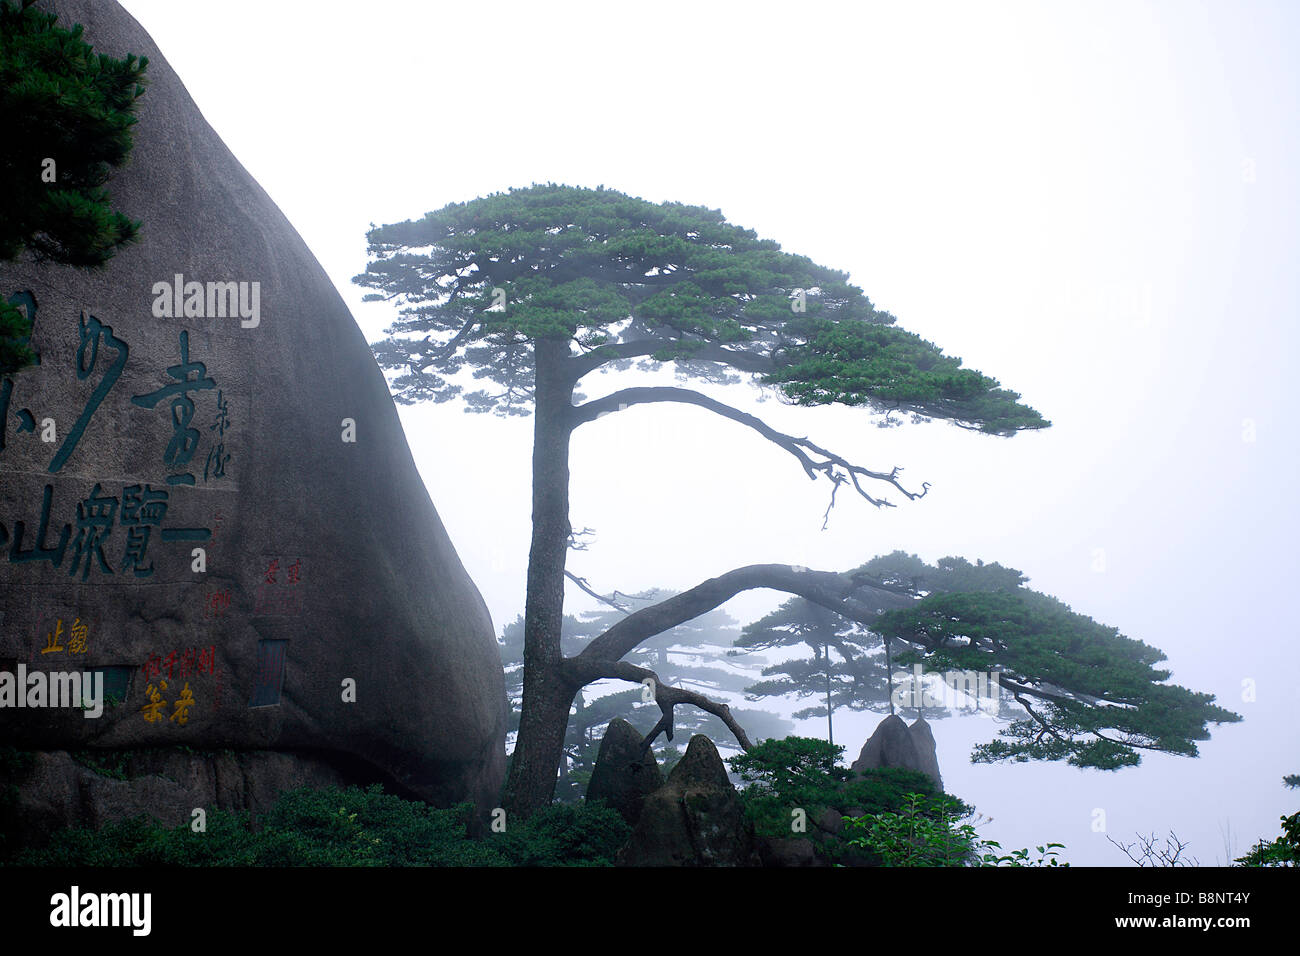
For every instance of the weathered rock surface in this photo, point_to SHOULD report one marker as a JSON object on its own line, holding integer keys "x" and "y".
{"x": 167, "y": 785}
{"x": 788, "y": 852}
{"x": 894, "y": 744}
{"x": 694, "y": 819}
{"x": 328, "y": 574}
{"x": 623, "y": 775}
{"x": 923, "y": 737}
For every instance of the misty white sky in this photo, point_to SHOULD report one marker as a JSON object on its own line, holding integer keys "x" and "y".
{"x": 1094, "y": 203}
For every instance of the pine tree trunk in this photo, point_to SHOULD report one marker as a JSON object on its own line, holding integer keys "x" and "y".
{"x": 547, "y": 695}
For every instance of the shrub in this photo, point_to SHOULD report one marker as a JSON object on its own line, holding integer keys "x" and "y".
{"x": 1284, "y": 851}
{"x": 339, "y": 826}
{"x": 926, "y": 833}
{"x": 564, "y": 835}
{"x": 801, "y": 773}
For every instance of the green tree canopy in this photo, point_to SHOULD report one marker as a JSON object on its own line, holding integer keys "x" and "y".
{"x": 622, "y": 278}
{"x": 1074, "y": 689}
{"x": 862, "y": 677}
{"x": 66, "y": 113}
{"x": 1090, "y": 695}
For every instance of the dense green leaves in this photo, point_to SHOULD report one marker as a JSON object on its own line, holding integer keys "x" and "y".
{"x": 15, "y": 334}
{"x": 848, "y": 656}
{"x": 345, "y": 827}
{"x": 925, "y": 833}
{"x": 60, "y": 100}
{"x": 620, "y": 278}
{"x": 865, "y": 364}
{"x": 60, "y": 103}
{"x": 1079, "y": 691}
{"x": 798, "y": 778}
{"x": 1284, "y": 851}
{"x": 1093, "y": 696}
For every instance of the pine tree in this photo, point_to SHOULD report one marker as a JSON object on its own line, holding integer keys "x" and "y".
{"x": 532, "y": 290}
{"x": 67, "y": 114}
{"x": 860, "y": 673}
{"x": 1073, "y": 689}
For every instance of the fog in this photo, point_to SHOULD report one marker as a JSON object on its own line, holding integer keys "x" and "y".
{"x": 1094, "y": 203}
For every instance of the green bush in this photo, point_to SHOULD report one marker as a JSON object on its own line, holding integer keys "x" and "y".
{"x": 564, "y": 835}
{"x": 1284, "y": 851}
{"x": 927, "y": 833}
{"x": 899, "y": 817}
{"x": 61, "y": 100}
{"x": 801, "y": 773}
{"x": 344, "y": 827}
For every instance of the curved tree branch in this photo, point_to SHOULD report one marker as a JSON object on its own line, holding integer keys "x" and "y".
{"x": 1047, "y": 728}
{"x": 853, "y": 596}
{"x": 837, "y": 592}
{"x": 582, "y": 583}
{"x": 814, "y": 459}
{"x": 452, "y": 344}
{"x": 667, "y": 697}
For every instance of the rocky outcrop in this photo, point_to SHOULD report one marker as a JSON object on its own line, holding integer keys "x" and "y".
{"x": 167, "y": 785}
{"x": 788, "y": 852}
{"x": 694, "y": 819}
{"x": 894, "y": 744}
{"x": 923, "y": 737}
{"x": 624, "y": 775}
{"x": 207, "y": 499}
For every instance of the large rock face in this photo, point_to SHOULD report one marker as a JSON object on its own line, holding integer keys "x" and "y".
{"x": 165, "y": 784}
{"x": 894, "y": 744}
{"x": 923, "y": 737}
{"x": 624, "y": 775}
{"x": 327, "y": 611}
{"x": 694, "y": 819}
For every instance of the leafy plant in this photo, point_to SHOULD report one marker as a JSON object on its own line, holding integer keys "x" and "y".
{"x": 1284, "y": 851}
{"x": 564, "y": 835}
{"x": 913, "y": 837}
{"x": 801, "y": 774}
{"x": 344, "y": 827}
{"x": 926, "y": 833}
{"x": 60, "y": 103}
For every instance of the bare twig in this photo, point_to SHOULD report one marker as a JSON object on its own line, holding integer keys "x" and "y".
{"x": 666, "y": 696}
{"x": 582, "y": 583}
{"x": 814, "y": 459}
{"x": 1144, "y": 851}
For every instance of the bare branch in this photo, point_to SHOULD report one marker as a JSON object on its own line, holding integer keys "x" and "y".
{"x": 814, "y": 459}
{"x": 1148, "y": 854}
{"x": 583, "y": 672}
{"x": 582, "y": 583}
{"x": 1047, "y": 728}
{"x": 853, "y": 596}
{"x": 577, "y": 545}
{"x": 873, "y": 581}
{"x": 837, "y": 481}
{"x": 838, "y": 592}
